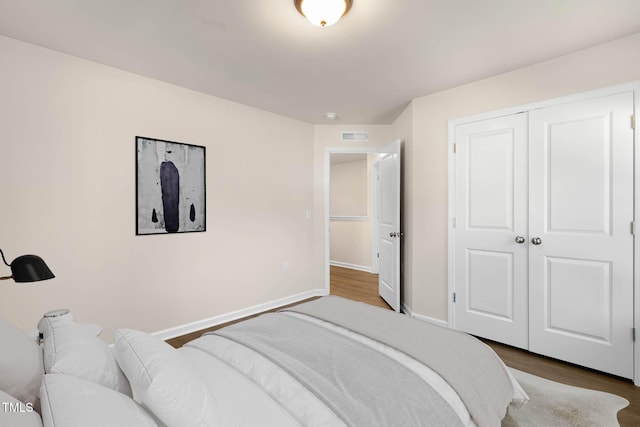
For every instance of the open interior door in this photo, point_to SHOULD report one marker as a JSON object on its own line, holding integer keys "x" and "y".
{"x": 389, "y": 243}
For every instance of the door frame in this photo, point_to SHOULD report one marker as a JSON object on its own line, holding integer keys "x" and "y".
{"x": 327, "y": 204}
{"x": 634, "y": 87}
{"x": 375, "y": 220}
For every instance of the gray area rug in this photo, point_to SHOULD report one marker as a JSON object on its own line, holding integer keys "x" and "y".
{"x": 554, "y": 405}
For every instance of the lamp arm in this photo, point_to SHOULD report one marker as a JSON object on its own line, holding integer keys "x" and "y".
{"x": 3, "y": 259}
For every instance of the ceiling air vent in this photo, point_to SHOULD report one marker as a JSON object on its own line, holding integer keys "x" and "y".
{"x": 359, "y": 136}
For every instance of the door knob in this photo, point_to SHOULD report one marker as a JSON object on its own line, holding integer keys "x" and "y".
{"x": 520, "y": 240}
{"x": 392, "y": 234}
{"x": 536, "y": 240}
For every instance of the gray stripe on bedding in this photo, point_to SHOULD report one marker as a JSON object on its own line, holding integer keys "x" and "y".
{"x": 361, "y": 385}
{"x": 472, "y": 368}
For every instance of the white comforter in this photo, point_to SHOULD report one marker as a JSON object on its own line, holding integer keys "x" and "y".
{"x": 252, "y": 391}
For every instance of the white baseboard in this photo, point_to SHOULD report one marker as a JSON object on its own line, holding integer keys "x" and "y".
{"x": 406, "y": 310}
{"x": 433, "y": 320}
{"x": 235, "y": 315}
{"x": 351, "y": 266}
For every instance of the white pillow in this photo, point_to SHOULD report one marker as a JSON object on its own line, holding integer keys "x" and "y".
{"x": 74, "y": 349}
{"x": 21, "y": 367}
{"x": 164, "y": 381}
{"x": 73, "y": 402}
{"x": 14, "y": 413}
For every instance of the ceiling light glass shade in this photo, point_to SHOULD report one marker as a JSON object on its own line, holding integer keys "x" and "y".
{"x": 323, "y": 13}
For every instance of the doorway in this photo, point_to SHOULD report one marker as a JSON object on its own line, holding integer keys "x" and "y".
{"x": 380, "y": 224}
{"x": 352, "y": 211}
{"x": 353, "y": 266}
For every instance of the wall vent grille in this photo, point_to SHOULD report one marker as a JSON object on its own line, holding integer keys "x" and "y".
{"x": 359, "y": 136}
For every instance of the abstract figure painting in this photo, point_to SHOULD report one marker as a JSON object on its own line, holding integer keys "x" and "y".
{"x": 170, "y": 187}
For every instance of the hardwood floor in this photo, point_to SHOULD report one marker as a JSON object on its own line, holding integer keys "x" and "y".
{"x": 183, "y": 339}
{"x": 347, "y": 283}
{"x": 574, "y": 375}
{"x": 363, "y": 287}
{"x": 356, "y": 285}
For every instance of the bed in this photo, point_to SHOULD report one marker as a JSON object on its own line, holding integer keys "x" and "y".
{"x": 327, "y": 362}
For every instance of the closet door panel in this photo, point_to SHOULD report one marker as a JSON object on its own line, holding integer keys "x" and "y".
{"x": 578, "y": 162}
{"x": 581, "y": 209}
{"x": 491, "y": 210}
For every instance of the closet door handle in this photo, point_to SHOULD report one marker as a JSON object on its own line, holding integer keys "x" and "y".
{"x": 520, "y": 240}
{"x": 536, "y": 240}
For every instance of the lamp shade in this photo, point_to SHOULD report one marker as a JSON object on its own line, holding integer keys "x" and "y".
{"x": 30, "y": 268}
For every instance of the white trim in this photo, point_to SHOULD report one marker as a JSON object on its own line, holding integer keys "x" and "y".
{"x": 406, "y": 310}
{"x": 636, "y": 241}
{"x": 235, "y": 315}
{"x": 351, "y": 266}
{"x": 348, "y": 218}
{"x": 634, "y": 87}
{"x": 451, "y": 206}
{"x": 580, "y": 96}
{"x": 423, "y": 318}
{"x": 375, "y": 217}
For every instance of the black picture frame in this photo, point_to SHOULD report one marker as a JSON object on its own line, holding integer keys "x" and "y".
{"x": 171, "y": 193}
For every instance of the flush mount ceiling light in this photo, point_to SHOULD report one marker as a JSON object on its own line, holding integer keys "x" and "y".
{"x": 323, "y": 13}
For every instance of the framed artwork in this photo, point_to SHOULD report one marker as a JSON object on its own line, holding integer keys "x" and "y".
{"x": 170, "y": 187}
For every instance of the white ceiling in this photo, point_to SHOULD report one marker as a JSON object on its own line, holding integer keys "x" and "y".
{"x": 366, "y": 68}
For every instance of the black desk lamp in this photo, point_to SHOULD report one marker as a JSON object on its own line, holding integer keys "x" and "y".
{"x": 27, "y": 268}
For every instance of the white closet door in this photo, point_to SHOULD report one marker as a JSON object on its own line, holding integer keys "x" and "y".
{"x": 581, "y": 209}
{"x": 491, "y": 211}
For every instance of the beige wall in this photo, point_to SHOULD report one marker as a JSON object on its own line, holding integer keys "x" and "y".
{"x": 426, "y": 195}
{"x": 67, "y": 180}
{"x": 351, "y": 244}
{"x": 67, "y": 177}
{"x": 349, "y": 183}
